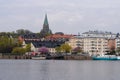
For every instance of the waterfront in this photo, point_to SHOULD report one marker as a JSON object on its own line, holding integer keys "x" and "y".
{"x": 59, "y": 70}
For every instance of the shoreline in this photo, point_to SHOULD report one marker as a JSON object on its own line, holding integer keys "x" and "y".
{"x": 68, "y": 57}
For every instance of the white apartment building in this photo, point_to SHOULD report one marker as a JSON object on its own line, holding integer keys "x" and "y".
{"x": 95, "y": 45}
{"x": 117, "y": 42}
{"x": 94, "y": 42}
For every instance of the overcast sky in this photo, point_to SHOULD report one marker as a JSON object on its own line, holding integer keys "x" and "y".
{"x": 68, "y": 16}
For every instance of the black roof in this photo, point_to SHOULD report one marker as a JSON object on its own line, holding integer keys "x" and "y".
{"x": 30, "y": 36}
{"x": 48, "y": 44}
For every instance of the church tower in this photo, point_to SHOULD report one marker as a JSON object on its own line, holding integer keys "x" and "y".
{"x": 45, "y": 31}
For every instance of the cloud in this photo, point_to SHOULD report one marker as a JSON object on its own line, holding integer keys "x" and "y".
{"x": 67, "y": 16}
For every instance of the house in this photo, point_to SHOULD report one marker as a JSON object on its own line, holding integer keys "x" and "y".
{"x": 36, "y": 44}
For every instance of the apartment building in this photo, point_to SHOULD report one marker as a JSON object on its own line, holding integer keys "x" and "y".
{"x": 95, "y": 45}
{"x": 76, "y": 41}
{"x": 117, "y": 42}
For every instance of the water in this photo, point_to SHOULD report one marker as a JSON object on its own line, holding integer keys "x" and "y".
{"x": 59, "y": 70}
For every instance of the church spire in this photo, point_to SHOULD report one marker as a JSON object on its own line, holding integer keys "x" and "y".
{"x": 46, "y": 20}
{"x": 45, "y": 31}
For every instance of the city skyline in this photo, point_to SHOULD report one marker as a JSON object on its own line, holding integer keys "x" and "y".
{"x": 63, "y": 16}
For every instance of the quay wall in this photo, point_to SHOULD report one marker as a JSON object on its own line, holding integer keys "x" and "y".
{"x": 14, "y": 57}
{"x": 76, "y": 57}
{"x": 66, "y": 57}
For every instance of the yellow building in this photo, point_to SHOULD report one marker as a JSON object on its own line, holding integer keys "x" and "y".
{"x": 76, "y": 41}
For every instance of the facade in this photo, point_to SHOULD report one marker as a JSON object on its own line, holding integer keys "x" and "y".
{"x": 45, "y": 31}
{"x": 95, "y": 45}
{"x": 76, "y": 41}
{"x": 117, "y": 42}
{"x": 36, "y": 44}
{"x": 94, "y": 42}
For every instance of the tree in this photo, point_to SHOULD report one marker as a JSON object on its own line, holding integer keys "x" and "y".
{"x": 58, "y": 49}
{"x": 18, "y": 51}
{"x": 43, "y": 50}
{"x": 6, "y": 44}
{"x": 28, "y": 48}
{"x": 66, "y": 48}
{"x": 22, "y": 31}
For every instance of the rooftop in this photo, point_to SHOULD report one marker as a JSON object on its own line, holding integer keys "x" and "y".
{"x": 98, "y": 32}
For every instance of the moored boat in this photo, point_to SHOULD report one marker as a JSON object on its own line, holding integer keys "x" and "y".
{"x": 118, "y": 57}
{"x": 105, "y": 57}
{"x": 38, "y": 57}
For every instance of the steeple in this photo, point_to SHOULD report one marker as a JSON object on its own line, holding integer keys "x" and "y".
{"x": 46, "y": 20}
{"x": 45, "y": 31}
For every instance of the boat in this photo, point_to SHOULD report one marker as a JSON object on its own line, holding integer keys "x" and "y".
{"x": 38, "y": 57}
{"x": 118, "y": 57}
{"x": 105, "y": 57}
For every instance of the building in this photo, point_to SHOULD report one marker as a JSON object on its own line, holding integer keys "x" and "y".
{"x": 117, "y": 42}
{"x": 99, "y": 34}
{"x": 36, "y": 44}
{"x": 95, "y": 45}
{"x": 30, "y": 36}
{"x": 76, "y": 41}
{"x": 45, "y": 31}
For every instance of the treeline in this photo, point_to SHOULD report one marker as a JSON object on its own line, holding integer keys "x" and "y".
{"x": 12, "y": 46}
{"x": 15, "y": 34}
{"x": 9, "y": 42}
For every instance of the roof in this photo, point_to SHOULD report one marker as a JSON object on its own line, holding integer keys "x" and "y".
{"x": 48, "y": 44}
{"x": 30, "y": 36}
{"x": 46, "y": 20}
{"x": 99, "y": 32}
{"x": 56, "y": 36}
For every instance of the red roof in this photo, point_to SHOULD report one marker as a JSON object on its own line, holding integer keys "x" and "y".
{"x": 56, "y": 36}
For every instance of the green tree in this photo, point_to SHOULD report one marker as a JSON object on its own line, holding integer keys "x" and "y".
{"x": 22, "y": 31}
{"x": 18, "y": 51}
{"x": 66, "y": 48}
{"x": 58, "y": 49}
{"x": 28, "y": 48}
{"x": 6, "y": 44}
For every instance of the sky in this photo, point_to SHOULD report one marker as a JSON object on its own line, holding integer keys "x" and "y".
{"x": 67, "y": 16}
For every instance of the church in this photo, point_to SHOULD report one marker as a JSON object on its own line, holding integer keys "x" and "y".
{"x": 45, "y": 31}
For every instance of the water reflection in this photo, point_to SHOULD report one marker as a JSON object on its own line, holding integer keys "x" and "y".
{"x": 58, "y": 70}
